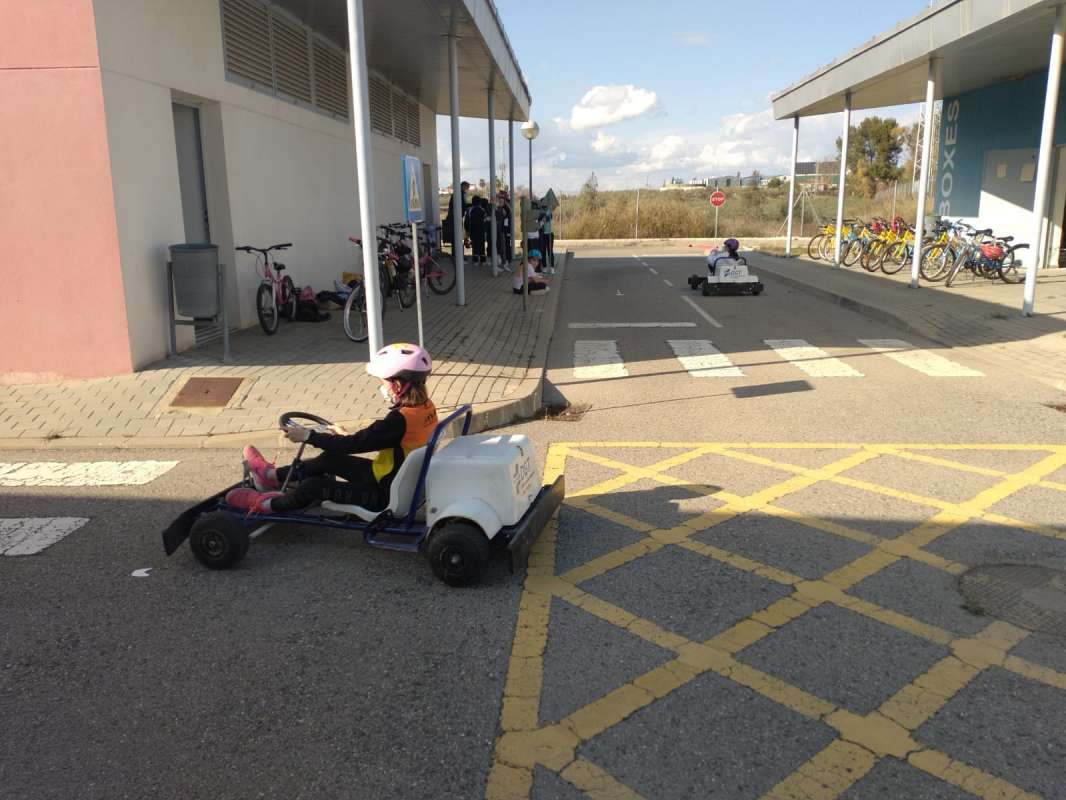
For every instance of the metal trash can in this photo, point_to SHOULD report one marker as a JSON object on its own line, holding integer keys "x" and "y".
{"x": 196, "y": 282}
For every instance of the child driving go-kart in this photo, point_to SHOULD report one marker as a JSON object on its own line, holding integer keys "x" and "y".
{"x": 402, "y": 370}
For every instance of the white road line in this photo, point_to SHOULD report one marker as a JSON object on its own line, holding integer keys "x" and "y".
{"x": 812, "y": 360}
{"x": 598, "y": 359}
{"x": 668, "y": 283}
{"x": 596, "y": 325}
{"x": 86, "y": 473}
{"x": 25, "y": 536}
{"x": 701, "y": 312}
{"x": 924, "y": 361}
{"x": 703, "y": 360}
{"x": 653, "y": 271}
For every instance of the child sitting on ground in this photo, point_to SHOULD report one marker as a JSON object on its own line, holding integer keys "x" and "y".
{"x": 536, "y": 283}
{"x": 402, "y": 370}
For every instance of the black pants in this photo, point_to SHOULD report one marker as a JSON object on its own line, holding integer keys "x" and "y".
{"x": 533, "y": 286}
{"x": 318, "y": 481}
{"x": 549, "y": 249}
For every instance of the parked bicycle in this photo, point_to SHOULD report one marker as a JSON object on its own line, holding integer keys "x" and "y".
{"x": 276, "y": 296}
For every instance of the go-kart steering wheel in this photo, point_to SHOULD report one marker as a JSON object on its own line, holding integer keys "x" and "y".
{"x": 288, "y": 420}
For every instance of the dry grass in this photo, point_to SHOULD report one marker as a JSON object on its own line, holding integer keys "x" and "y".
{"x": 676, "y": 214}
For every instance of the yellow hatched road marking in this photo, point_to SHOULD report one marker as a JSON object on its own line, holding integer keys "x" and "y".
{"x": 863, "y": 739}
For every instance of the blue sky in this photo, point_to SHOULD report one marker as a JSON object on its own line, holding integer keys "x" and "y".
{"x": 642, "y": 91}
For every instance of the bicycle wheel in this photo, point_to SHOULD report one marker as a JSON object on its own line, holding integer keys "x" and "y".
{"x": 405, "y": 288}
{"x": 935, "y": 262}
{"x": 1012, "y": 270}
{"x": 895, "y": 259}
{"x": 825, "y": 248}
{"x": 440, "y": 273}
{"x": 814, "y": 247}
{"x": 354, "y": 315}
{"x": 288, "y": 298}
{"x": 871, "y": 255}
{"x": 854, "y": 252}
{"x": 265, "y": 308}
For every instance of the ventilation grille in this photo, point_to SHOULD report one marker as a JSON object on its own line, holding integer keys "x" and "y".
{"x": 292, "y": 61}
{"x": 331, "y": 79}
{"x": 276, "y": 54}
{"x": 392, "y": 113}
{"x": 246, "y": 33}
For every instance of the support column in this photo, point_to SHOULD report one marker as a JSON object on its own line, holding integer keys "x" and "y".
{"x": 792, "y": 185}
{"x": 364, "y": 176}
{"x": 1043, "y": 164}
{"x": 843, "y": 177}
{"x": 932, "y": 89}
{"x": 492, "y": 183}
{"x": 510, "y": 177}
{"x": 457, "y": 191}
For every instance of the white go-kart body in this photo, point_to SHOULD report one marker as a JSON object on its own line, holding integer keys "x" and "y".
{"x": 726, "y": 276}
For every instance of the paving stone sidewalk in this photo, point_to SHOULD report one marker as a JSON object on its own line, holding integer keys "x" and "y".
{"x": 971, "y": 314}
{"x": 489, "y": 353}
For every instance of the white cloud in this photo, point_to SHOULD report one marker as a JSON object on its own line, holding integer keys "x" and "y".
{"x": 604, "y": 105}
{"x": 604, "y": 143}
{"x": 667, "y": 153}
{"x": 696, "y": 39}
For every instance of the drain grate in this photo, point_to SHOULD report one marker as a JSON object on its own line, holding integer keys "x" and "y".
{"x": 206, "y": 392}
{"x": 1026, "y": 595}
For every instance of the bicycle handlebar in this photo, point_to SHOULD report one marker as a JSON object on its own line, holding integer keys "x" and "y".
{"x": 264, "y": 250}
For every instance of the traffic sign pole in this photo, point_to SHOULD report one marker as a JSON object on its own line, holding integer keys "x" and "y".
{"x": 717, "y": 200}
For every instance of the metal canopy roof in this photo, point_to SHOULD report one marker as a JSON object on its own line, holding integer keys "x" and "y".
{"x": 405, "y": 42}
{"x": 979, "y": 42}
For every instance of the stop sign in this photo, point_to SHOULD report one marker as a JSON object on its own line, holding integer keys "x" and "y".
{"x": 717, "y": 198}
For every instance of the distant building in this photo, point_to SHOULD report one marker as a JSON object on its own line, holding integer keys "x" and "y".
{"x": 818, "y": 176}
{"x": 680, "y": 184}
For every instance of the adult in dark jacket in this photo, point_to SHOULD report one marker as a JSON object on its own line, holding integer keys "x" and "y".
{"x": 475, "y": 230}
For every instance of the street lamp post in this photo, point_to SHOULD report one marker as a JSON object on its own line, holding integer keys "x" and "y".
{"x": 530, "y": 130}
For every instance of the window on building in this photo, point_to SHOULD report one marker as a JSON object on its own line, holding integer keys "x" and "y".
{"x": 267, "y": 49}
{"x": 392, "y": 113}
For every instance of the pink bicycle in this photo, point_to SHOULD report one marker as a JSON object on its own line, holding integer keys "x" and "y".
{"x": 276, "y": 295}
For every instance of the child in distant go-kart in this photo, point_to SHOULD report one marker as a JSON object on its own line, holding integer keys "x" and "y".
{"x": 402, "y": 370}
{"x": 728, "y": 250}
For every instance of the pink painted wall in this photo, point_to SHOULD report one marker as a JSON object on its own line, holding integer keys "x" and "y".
{"x": 62, "y": 308}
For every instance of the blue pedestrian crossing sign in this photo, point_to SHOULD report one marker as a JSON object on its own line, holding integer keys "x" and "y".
{"x": 413, "y": 203}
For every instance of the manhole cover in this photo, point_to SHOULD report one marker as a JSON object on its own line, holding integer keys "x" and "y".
{"x": 1029, "y": 596}
{"x": 206, "y": 392}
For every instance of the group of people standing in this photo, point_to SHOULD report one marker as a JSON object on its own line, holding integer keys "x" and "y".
{"x": 478, "y": 213}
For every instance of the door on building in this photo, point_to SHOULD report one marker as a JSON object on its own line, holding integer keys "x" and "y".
{"x": 191, "y": 173}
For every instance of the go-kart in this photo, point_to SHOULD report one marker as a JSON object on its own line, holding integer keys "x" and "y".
{"x": 454, "y": 506}
{"x": 726, "y": 276}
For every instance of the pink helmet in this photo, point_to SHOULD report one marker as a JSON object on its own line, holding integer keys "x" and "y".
{"x": 405, "y": 362}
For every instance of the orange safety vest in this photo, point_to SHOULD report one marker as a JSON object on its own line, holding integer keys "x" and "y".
{"x": 421, "y": 420}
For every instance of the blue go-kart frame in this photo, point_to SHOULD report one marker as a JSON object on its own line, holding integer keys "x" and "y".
{"x": 229, "y": 530}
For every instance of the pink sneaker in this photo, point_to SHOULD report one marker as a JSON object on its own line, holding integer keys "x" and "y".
{"x": 249, "y": 499}
{"x": 259, "y": 468}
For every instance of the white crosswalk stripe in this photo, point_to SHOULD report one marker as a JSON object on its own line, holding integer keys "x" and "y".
{"x": 815, "y": 361}
{"x": 924, "y": 361}
{"x": 86, "y": 473}
{"x": 703, "y": 360}
{"x": 26, "y": 536}
{"x": 598, "y": 359}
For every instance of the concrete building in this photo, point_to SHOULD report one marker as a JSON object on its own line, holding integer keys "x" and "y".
{"x": 996, "y": 67}
{"x": 131, "y": 125}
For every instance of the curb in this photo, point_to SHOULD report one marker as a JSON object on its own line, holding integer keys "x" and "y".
{"x": 524, "y": 405}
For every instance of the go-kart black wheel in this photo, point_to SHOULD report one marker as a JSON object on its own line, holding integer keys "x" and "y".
{"x": 218, "y": 540}
{"x": 458, "y": 552}
{"x": 709, "y": 289}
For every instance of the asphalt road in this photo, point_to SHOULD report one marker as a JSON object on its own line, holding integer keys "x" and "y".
{"x": 750, "y": 592}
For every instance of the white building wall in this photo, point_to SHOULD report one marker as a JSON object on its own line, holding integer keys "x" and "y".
{"x": 285, "y": 173}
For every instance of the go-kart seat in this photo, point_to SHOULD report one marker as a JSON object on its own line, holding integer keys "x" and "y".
{"x": 401, "y": 493}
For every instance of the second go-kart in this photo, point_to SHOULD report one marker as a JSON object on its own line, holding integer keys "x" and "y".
{"x": 454, "y": 505}
{"x": 726, "y": 276}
